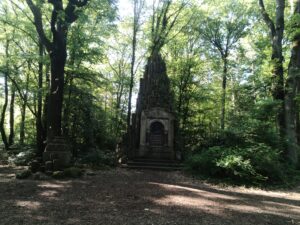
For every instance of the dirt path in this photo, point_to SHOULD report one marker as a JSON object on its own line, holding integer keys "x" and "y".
{"x": 122, "y": 197}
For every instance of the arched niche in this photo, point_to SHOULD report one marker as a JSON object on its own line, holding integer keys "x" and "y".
{"x": 157, "y": 134}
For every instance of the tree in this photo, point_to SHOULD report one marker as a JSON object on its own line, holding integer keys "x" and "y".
{"x": 137, "y": 11}
{"x": 292, "y": 89}
{"x": 2, "y": 118}
{"x": 276, "y": 29}
{"x": 223, "y": 32}
{"x": 61, "y": 19}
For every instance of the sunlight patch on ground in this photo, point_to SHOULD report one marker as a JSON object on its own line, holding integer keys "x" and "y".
{"x": 48, "y": 193}
{"x": 283, "y": 211}
{"x": 60, "y": 185}
{"x": 184, "y": 201}
{"x": 283, "y": 205}
{"x": 198, "y": 192}
{"x": 32, "y": 205}
{"x": 73, "y": 221}
{"x": 282, "y": 208}
{"x": 199, "y": 204}
{"x": 204, "y": 200}
{"x": 290, "y": 195}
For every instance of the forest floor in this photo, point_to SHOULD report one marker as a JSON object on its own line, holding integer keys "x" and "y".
{"x": 131, "y": 197}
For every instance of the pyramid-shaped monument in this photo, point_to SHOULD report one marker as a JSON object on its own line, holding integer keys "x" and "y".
{"x": 153, "y": 123}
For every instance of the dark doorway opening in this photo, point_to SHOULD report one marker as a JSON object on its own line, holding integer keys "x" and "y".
{"x": 157, "y": 133}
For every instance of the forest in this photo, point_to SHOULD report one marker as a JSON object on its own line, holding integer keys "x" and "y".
{"x": 72, "y": 68}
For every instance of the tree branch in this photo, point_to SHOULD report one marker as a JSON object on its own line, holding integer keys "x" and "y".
{"x": 38, "y": 22}
{"x": 267, "y": 18}
{"x": 70, "y": 9}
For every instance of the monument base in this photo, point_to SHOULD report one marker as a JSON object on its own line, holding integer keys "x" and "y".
{"x": 57, "y": 154}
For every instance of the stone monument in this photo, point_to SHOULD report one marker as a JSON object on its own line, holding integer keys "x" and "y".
{"x": 57, "y": 154}
{"x": 152, "y": 130}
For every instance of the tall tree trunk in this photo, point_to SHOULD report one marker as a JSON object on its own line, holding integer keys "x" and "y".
{"x": 276, "y": 35}
{"x": 67, "y": 108}
{"x": 39, "y": 120}
{"x": 2, "y": 119}
{"x": 291, "y": 92}
{"x": 55, "y": 101}
{"x": 135, "y": 30}
{"x": 224, "y": 84}
{"x": 12, "y": 116}
{"x": 277, "y": 58}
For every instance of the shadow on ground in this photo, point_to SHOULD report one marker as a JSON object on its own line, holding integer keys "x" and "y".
{"x": 140, "y": 197}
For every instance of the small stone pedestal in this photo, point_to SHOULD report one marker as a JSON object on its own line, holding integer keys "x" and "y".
{"x": 57, "y": 154}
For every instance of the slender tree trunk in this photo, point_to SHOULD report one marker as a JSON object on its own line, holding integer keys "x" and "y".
{"x": 67, "y": 110}
{"x": 183, "y": 103}
{"x": 291, "y": 92}
{"x": 135, "y": 30}
{"x": 45, "y": 109}
{"x": 39, "y": 120}
{"x": 180, "y": 100}
{"x": 22, "y": 123}
{"x": 12, "y": 117}
{"x": 224, "y": 84}
{"x": 23, "y": 112}
{"x": 298, "y": 123}
{"x": 2, "y": 119}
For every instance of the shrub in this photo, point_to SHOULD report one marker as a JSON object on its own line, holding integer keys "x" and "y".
{"x": 23, "y": 174}
{"x": 22, "y": 158}
{"x": 205, "y": 162}
{"x": 73, "y": 172}
{"x": 254, "y": 163}
{"x": 98, "y": 158}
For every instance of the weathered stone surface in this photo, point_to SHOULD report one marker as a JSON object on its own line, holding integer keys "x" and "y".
{"x": 34, "y": 166}
{"x": 42, "y": 168}
{"x": 40, "y": 176}
{"x": 153, "y": 123}
{"x": 58, "y": 152}
{"x": 48, "y": 166}
{"x": 57, "y": 165}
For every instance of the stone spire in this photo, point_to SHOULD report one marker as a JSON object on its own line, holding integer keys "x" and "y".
{"x": 155, "y": 86}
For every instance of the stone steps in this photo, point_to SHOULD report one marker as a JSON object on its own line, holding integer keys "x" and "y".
{"x": 152, "y": 164}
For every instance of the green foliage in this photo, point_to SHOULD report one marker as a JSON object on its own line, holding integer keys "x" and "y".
{"x": 98, "y": 159}
{"x": 24, "y": 174}
{"x": 58, "y": 175}
{"x": 71, "y": 172}
{"x": 293, "y": 26}
{"x": 256, "y": 163}
{"x": 22, "y": 158}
